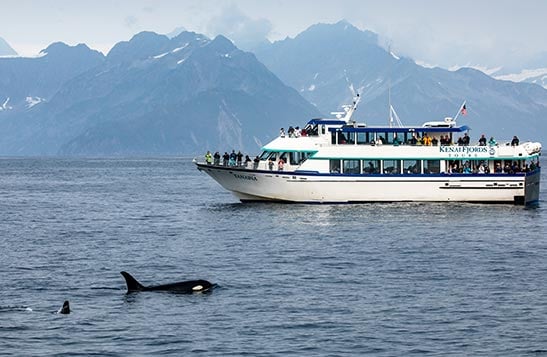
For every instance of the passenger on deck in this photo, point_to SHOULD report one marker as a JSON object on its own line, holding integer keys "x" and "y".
{"x": 466, "y": 139}
{"x": 482, "y": 140}
{"x": 280, "y": 164}
{"x": 396, "y": 141}
{"x": 247, "y": 161}
{"x": 225, "y": 158}
{"x": 297, "y": 132}
{"x": 426, "y": 140}
{"x": 434, "y": 141}
{"x": 270, "y": 164}
{"x": 291, "y": 132}
{"x": 492, "y": 141}
{"x": 282, "y": 132}
{"x": 498, "y": 169}
{"x": 256, "y": 161}
{"x": 239, "y": 158}
{"x": 233, "y": 158}
{"x": 515, "y": 141}
{"x": 208, "y": 158}
{"x": 460, "y": 141}
{"x": 216, "y": 158}
{"x": 413, "y": 140}
{"x": 380, "y": 140}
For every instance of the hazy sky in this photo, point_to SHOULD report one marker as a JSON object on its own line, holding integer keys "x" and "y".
{"x": 438, "y": 32}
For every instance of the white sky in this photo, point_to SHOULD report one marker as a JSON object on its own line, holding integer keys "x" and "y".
{"x": 489, "y": 33}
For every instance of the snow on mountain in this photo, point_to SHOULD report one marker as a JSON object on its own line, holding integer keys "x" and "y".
{"x": 537, "y": 76}
{"x": 150, "y": 95}
{"x": 32, "y": 101}
{"x": 5, "y": 105}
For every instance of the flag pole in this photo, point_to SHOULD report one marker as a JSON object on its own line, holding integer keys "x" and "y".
{"x": 459, "y": 110}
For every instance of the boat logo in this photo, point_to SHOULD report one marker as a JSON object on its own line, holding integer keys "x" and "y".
{"x": 492, "y": 151}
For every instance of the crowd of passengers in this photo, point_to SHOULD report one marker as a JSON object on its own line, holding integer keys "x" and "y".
{"x": 427, "y": 140}
{"x": 424, "y": 140}
{"x": 233, "y": 159}
{"x": 236, "y": 160}
{"x": 509, "y": 167}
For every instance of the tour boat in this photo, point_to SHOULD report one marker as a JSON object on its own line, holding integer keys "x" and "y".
{"x": 341, "y": 161}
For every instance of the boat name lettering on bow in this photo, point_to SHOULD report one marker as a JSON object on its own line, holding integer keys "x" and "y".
{"x": 245, "y": 177}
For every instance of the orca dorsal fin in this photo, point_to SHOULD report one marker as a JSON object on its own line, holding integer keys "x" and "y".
{"x": 132, "y": 283}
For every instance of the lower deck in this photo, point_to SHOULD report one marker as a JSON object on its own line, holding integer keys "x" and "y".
{"x": 314, "y": 187}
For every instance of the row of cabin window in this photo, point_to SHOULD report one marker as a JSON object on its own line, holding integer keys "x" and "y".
{"x": 294, "y": 158}
{"x": 368, "y": 137}
{"x": 388, "y": 167}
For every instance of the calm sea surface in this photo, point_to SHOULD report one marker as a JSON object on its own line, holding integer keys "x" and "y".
{"x": 294, "y": 280}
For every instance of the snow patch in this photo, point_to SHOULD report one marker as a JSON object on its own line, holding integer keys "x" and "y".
{"x": 32, "y": 101}
{"x": 486, "y": 70}
{"x": 394, "y": 55}
{"x": 227, "y": 55}
{"x": 181, "y": 61}
{"x": 315, "y": 77}
{"x": 162, "y": 55}
{"x": 180, "y": 48}
{"x": 424, "y": 64}
{"x": 6, "y": 105}
{"x": 311, "y": 88}
{"x": 524, "y": 75}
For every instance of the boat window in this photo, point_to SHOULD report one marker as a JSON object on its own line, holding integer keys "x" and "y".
{"x": 298, "y": 157}
{"x": 323, "y": 129}
{"x": 363, "y": 138}
{"x": 294, "y": 158}
{"x": 352, "y": 166}
{"x": 264, "y": 155}
{"x": 342, "y": 139}
{"x": 392, "y": 167}
{"x": 334, "y": 166}
{"x": 384, "y": 137}
{"x": 351, "y": 137}
{"x": 412, "y": 166}
{"x": 371, "y": 166}
{"x": 333, "y": 137}
{"x": 310, "y": 130}
{"x": 272, "y": 156}
{"x": 432, "y": 166}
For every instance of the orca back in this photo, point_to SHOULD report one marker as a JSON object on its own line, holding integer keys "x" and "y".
{"x": 184, "y": 287}
{"x": 65, "y": 309}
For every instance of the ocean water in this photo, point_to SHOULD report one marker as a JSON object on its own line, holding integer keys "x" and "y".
{"x": 293, "y": 280}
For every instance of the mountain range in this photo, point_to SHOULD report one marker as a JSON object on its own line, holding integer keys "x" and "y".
{"x": 326, "y": 59}
{"x": 149, "y": 96}
{"x": 156, "y": 95}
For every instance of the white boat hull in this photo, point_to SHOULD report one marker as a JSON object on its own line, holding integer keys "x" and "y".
{"x": 258, "y": 185}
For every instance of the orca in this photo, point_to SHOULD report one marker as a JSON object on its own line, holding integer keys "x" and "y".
{"x": 65, "y": 309}
{"x": 183, "y": 287}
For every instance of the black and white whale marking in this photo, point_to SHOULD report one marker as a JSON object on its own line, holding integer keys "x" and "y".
{"x": 183, "y": 287}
